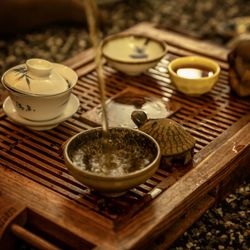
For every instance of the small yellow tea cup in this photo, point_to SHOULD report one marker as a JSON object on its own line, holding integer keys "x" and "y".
{"x": 193, "y": 75}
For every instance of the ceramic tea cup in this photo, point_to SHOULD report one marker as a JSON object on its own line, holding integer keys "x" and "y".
{"x": 132, "y": 54}
{"x": 133, "y": 157}
{"x": 193, "y": 75}
{"x": 39, "y": 89}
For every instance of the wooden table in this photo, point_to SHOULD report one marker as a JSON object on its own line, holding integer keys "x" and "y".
{"x": 42, "y": 204}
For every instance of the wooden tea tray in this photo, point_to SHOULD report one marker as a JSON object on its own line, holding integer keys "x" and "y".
{"x": 42, "y": 204}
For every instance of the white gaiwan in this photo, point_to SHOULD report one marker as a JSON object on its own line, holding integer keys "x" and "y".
{"x": 39, "y": 89}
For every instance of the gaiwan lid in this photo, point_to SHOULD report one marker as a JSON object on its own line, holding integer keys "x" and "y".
{"x": 38, "y": 76}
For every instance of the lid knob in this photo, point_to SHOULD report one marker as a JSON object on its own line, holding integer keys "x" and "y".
{"x": 39, "y": 67}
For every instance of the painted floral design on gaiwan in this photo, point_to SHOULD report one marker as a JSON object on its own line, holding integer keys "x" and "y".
{"x": 175, "y": 142}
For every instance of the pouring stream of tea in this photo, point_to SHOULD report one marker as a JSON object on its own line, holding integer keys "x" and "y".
{"x": 91, "y": 14}
{"x": 113, "y": 159}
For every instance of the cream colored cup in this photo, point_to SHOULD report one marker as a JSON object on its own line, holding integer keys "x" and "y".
{"x": 132, "y": 54}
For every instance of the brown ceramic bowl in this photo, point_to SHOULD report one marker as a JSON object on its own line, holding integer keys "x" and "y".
{"x": 139, "y": 147}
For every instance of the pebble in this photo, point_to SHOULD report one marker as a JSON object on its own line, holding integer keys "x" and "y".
{"x": 189, "y": 245}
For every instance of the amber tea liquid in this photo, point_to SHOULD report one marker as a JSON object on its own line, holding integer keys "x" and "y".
{"x": 194, "y": 71}
{"x": 123, "y": 158}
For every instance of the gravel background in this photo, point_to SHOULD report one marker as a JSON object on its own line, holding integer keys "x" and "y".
{"x": 226, "y": 226}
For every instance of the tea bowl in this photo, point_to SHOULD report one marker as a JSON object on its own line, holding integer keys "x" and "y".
{"x": 39, "y": 89}
{"x": 135, "y": 156}
{"x": 132, "y": 54}
{"x": 193, "y": 75}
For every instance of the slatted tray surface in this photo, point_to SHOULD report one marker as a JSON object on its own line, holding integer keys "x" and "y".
{"x": 37, "y": 155}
